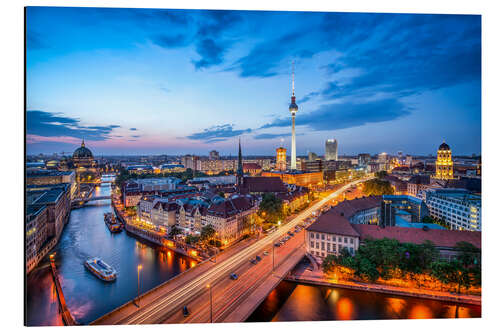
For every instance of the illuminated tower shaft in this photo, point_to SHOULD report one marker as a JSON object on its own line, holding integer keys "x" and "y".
{"x": 293, "y": 110}
{"x": 293, "y": 165}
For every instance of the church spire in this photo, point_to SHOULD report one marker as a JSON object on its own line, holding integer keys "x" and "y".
{"x": 83, "y": 143}
{"x": 239, "y": 172}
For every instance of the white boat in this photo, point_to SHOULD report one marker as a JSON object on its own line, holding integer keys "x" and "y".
{"x": 100, "y": 269}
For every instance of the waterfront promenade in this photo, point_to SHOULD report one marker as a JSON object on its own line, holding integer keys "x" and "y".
{"x": 318, "y": 278}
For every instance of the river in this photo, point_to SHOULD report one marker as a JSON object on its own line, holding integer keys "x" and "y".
{"x": 88, "y": 298}
{"x": 299, "y": 302}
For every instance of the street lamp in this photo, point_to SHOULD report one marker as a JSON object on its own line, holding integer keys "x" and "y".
{"x": 139, "y": 267}
{"x": 209, "y": 286}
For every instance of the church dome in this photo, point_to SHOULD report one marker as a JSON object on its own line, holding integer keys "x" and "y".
{"x": 444, "y": 146}
{"x": 82, "y": 152}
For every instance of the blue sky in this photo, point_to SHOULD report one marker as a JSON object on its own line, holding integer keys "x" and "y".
{"x": 148, "y": 81}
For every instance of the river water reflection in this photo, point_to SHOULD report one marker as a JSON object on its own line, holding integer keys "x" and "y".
{"x": 88, "y": 298}
{"x": 297, "y": 302}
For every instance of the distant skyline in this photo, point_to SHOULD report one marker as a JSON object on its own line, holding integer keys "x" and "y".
{"x": 147, "y": 81}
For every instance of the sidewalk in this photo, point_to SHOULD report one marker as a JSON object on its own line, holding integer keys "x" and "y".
{"x": 318, "y": 278}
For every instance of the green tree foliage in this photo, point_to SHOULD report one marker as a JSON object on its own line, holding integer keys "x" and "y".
{"x": 381, "y": 174}
{"x": 377, "y": 187}
{"x": 464, "y": 271}
{"x": 328, "y": 263}
{"x": 192, "y": 240}
{"x": 271, "y": 208}
{"x": 207, "y": 232}
{"x": 175, "y": 231}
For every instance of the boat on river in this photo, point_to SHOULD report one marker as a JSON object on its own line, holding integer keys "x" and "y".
{"x": 111, "y": 222}
{"x": 100, "y": 269}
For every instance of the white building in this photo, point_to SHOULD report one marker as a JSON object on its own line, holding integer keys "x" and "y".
{"x": 460, "y": 209}
{"x": 331, "y": 150}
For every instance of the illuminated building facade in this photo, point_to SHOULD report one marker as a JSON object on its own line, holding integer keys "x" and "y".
{"x": 298, "y": 178}
{"x": 281, "y": 159}
{"x": 444, "y": 163}
{"x": 331, "y": 150}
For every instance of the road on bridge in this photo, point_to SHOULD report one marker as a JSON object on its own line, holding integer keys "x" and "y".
{"x": 166, "y": 306}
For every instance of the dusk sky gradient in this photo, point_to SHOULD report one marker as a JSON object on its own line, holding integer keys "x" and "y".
{"x": 151, "y": 81}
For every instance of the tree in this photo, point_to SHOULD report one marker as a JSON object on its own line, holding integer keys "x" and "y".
{"x": 207, "y": 232}
{"x": 377, "y": 187}
{"x": 328, "y": 263}
{"x": 271, "y": 208}
{"x": 190, "y": 239}
{"x": 175, "y": 231}
{"x": 381, "y": 174}
{"x": 451, "y": 271}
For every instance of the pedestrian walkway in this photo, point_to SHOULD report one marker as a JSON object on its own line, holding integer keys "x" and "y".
{"x": 318, "y": 278}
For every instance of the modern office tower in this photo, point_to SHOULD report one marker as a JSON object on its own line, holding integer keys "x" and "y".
{"x": 214, "y": 155}
{"x": 444, "y": 163}
{"x": 364, "y": 159}
{"x": 331, "y": 150}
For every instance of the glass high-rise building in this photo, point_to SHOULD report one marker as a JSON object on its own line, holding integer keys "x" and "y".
{"x": 331, "y": 150}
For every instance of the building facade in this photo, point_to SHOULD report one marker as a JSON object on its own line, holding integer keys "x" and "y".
{"x": 458, "y": 208}
{"x": 331, "y": 150}
{"x": 444, "y": 162}
{"x": 281, "y": 159}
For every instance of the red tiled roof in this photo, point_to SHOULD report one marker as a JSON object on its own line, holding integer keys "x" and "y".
{"x": 230, "y": 207}
{"x": 348, "y": 208}
{"x": 336, "y": 220}
{"x": 251, "y": 166}
{"x": 333, "y": 222}
{"x": 440, "y": 238}
{"x": 263, "y": 184}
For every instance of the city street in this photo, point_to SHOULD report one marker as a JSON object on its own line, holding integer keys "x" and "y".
{"x": 165, "y": 300}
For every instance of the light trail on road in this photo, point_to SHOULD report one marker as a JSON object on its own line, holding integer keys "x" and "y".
{"x": 158, "y": 309}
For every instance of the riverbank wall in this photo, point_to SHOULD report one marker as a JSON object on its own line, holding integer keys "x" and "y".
{"x": 422, "y": 293}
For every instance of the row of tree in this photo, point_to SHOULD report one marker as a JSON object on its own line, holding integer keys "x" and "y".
{"x": 377, "y": 187}
{"x": 389, "y": 258}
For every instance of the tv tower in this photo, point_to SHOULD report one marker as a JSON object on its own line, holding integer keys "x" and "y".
{"x": 293, "y": 108}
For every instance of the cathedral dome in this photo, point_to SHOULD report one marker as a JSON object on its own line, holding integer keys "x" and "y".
{"x": 444, "y": 146}
{"x": 82, "y": 152}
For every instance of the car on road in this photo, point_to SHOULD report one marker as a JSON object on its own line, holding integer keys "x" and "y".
{"x": 185, "y": 311}
{"x": 258, "y": 258}
{"x": 233, "y": 276}
{"x": 253, "y": 261}
{"x": 266, "y": 253}
{"x": 277, "y": 244}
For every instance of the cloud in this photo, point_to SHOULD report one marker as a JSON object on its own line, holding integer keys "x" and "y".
{"x": 419, "y": 53}
{"x": 211, "y": 53}
{"x": 46, "y": 124}
{"x": 340, "y": 116}
{"x": 211, "y": 33}
{"x": 217, "y": 133}
{"x": 171, "y": 41}
{"x": 133, "y": 129}
{"x": 308, "y": 97}
{"x": 136, "y": 136}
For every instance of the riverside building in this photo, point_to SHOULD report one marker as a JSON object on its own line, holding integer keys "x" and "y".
{"x": 458, "y": 208}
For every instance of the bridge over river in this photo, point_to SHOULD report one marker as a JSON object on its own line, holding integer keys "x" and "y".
{"x": 207, "y": 289}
